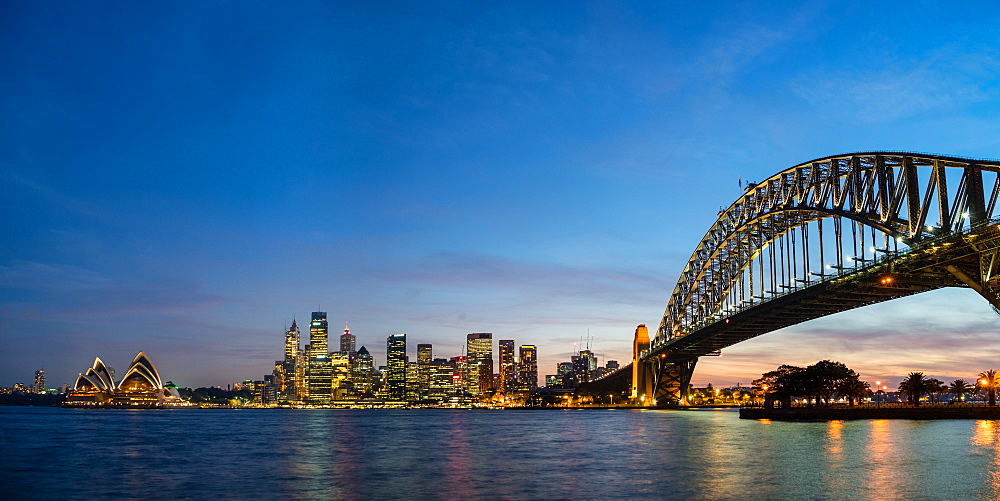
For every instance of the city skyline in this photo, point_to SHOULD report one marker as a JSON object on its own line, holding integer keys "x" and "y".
{"x": 541, "y": 173}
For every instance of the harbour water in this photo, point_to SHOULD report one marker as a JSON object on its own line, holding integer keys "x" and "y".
{"x": 53, "y": 453}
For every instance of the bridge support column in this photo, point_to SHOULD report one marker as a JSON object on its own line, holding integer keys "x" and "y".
{"x": 642, "y": 384}
{"x": 642, "y": 379}
{"x": 671, "y": 381}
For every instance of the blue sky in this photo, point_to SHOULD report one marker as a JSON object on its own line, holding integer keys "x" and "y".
{"x": 184, "y": 178}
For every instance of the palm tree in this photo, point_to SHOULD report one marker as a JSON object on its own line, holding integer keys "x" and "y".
{"x": 935, "y": 387}
{"x": 854, "y": 389}
{"x": 914, "y": 386}
{"x": 989, "y": 381}
{"x": 959, "y": 388}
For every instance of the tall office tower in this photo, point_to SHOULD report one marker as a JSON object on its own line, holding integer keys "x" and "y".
{"x": 508, "y": 366}
{"x": 424, "y": 358}
{"x": 39, "y": 381}
{"x": 424, "y": 351}
{"x": 528, "y": 368}
{"x": 584, "y": 364}
{"x": 347, "y": 342}
{"x": 291, "y": 366}
{"x": 480, "y": 352}
{"x": 441, "y": 383}
{"x": 460, "y": 366}
{"x": 567, "y": 376}
{"x": 413, "y": 386}
{"x": 362, "y": 370}
{"x": 320, "y": 370}
{"x": 395, "y": 354}
{"x": 302, "y": 371}
{"x": 341, "y": 386}
{"x": 319, "y": 333}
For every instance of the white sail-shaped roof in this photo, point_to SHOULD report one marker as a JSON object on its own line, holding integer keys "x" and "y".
{"x": 141, "y": 367}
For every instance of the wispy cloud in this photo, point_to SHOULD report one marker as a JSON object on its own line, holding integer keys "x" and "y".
{"x": 52, "y": 196}
{"x": 82, "y": 293}
{"x": 895, "y": 89}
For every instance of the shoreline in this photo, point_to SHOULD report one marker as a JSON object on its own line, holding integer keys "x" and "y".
{"x": 872, "y": 412}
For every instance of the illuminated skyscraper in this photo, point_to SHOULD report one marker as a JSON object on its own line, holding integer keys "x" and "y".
{"x": 347, "y": 342}
{"x": 528, "y": 368}
{"x": 395, "y": 354}
{"x": 39, "y": 381}
{"x": 508, "y": 366}
{"x": 424, "y": 358}
{"x": 293, "y": 342}
{"x": 362, "y": 370}
{"x": 320, "y": 370}
{"x": 413, "y": 385}
{"x": 292, "y": 366}
{"x": 480, "y": 362}
{"x": 460, "y": 366}
{"x": 441, "y": 384}
{"x": 341, "y": 382}
{"x": 319, "y": 333}
{"x": 584, "y": 364}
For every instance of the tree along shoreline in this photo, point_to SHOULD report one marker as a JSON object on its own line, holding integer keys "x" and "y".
{"x": 892, "y": 411}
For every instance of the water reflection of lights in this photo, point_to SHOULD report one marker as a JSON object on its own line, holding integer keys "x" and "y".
{"x": 880, "y": 458}
{"x": 985, "y": 436}
{"x": 835, "y": 438}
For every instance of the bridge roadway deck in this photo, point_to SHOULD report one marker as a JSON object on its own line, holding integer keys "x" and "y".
{"x": 920, "y": 269}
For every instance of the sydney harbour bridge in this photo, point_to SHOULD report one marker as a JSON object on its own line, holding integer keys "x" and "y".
{"x": 824, "y": 236}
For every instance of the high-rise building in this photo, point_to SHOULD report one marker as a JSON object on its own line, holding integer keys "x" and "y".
{"x": 362, "y": 371}
{"x": 424, "y": 358}
{"x": 584, "y": 364}
{"x": 528, "y": 368}
{"x": 341, "y": 382}
{"x": 293, "y": 342}
{"x": 347, "y": 342}
{"x": 479, "y": 349}
{"x": 319, "y": 333}
{"x": 320, "y": 369}
{"x": 460, "y": 374}
{"x": 424, "y": 353}
{"x": 441, "y": 383}
{"x": 39, "y": 381}
{"x": 291, "y": 367}
{"x": 567, "y": 376}
{"x": 413, "y": 386}
{"x": 395, "y": 354}
{"x": 508, "y": 365}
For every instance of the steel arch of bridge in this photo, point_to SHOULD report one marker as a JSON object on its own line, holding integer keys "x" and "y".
{"x": 895, "y": 199}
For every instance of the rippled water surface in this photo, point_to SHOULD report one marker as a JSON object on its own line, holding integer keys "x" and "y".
{"x": 462, "y": 454}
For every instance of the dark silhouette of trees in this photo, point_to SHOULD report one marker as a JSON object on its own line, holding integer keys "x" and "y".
{"x": 818, "y": 383}
{"x": 989, "y": 381}
{"x": 935, "y": 387}
{"x": 854, "y": 389}
{"x": 914, "y": 386}
{"x": 959, "y": 388}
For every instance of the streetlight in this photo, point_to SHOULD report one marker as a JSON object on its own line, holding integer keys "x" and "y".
{"x": 877, "y": 399}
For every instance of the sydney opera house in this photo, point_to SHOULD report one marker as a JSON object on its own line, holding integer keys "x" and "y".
{"x": 139, "y": 387}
